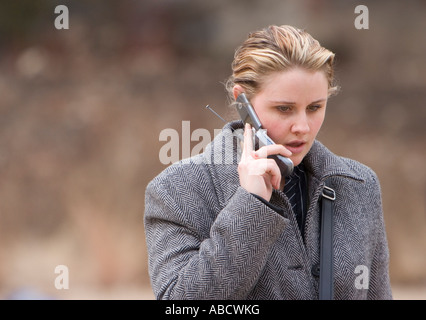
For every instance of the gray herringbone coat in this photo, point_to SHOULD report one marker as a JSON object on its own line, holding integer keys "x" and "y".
{"x": 208, "y": 238}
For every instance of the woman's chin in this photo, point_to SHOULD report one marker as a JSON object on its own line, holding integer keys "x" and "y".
{"x": 296, "y": 160}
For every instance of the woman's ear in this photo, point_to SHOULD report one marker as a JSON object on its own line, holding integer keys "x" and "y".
{"x": 237, "y": 90}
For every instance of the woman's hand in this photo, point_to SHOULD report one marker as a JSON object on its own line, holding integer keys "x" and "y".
{"x": 258, "y": 174}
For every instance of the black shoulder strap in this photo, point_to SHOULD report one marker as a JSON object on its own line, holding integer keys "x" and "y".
{"x": 326, "y": 287}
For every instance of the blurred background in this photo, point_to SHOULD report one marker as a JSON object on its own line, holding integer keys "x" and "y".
{"x": 81, "y": 111}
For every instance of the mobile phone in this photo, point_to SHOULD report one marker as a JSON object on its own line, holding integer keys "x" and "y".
{"x": 248, "y": 115}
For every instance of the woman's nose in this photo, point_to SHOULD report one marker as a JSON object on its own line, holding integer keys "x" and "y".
{"x": 300, "y": 124}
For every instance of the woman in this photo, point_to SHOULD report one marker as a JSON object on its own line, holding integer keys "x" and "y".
{"x": 226, "y": 225}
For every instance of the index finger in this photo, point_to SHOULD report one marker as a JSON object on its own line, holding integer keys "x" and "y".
{"x": 248, "y": 140}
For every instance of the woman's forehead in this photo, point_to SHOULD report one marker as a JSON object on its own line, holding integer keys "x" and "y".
{"x": 290, "y": 85}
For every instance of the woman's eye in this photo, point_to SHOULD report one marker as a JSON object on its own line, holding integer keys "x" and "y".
{"x": 314, "y": 107}
{"x": 284, "y": 108}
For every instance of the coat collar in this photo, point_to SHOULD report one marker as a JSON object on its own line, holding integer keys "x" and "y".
{"x": 322, "y": 163}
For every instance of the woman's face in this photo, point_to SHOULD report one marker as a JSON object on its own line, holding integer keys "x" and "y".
{"x": 291, "y": 106}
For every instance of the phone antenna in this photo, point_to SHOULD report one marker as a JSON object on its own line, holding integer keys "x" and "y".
{"x": 208, "y": 107}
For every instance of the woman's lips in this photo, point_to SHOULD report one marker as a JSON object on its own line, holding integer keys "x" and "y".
{"x": 295, "y": 146}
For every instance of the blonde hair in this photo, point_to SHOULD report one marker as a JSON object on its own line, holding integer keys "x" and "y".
{"x": 278, "y": 48}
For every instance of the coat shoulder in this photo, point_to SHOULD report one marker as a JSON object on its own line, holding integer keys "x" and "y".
{"x": 360, "y": 169}
{"x": 182, "y": 174}
{"x": 324, "y": 162}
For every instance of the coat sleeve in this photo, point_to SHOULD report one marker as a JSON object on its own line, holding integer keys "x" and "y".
{"x": 197, "y": 250}
{"x": 380, "y": 288}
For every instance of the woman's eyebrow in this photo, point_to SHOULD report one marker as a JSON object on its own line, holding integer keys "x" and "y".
{"x": 282, "y": 102}
{"x": 319, "y": 100}
{"x": 293, "y": 103}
